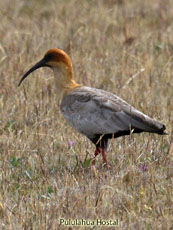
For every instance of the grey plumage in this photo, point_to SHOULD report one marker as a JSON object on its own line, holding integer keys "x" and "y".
{"x": 97, "y": 112}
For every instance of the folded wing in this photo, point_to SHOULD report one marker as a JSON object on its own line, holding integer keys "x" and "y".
{"x": 93, "y": 111}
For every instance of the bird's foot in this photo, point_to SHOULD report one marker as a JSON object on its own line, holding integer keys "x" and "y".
{"x": 93, "y": 162}
{"x": 107, "y": 166}
{"x": 96, "y": 153}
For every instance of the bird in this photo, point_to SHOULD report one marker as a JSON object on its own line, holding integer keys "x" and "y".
{"x": 97, "y": 114}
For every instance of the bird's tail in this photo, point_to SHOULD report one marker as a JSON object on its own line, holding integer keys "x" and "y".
{"x": 143, "y": 122}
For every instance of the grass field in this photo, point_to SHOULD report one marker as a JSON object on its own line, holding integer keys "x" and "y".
{"x": 125, "y": 47}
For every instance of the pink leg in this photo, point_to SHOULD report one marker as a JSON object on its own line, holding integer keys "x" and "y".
{"x": 97, "y": 152}
{"x": 104, "y": 156}
{"x": 108, "y": 166}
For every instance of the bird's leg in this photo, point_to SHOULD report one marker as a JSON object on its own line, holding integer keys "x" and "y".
{"x": 97, "y": 152}
{"x": 108, "y": 166}
{"x": 104, "y": 156}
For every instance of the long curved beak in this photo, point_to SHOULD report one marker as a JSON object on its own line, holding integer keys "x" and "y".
{"x": 41, "y": 63}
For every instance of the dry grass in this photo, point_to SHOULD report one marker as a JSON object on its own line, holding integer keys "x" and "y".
{"x": 109, "y": 41}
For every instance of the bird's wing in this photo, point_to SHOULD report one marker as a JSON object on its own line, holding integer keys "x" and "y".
{"x": 93, "y": 111}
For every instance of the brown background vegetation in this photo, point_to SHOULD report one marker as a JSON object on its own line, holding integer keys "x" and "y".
{"x": 121, "y": 46}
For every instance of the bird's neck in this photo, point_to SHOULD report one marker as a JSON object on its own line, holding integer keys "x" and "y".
{"x": 64, "y": 80}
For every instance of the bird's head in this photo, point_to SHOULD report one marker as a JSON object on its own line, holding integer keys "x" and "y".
{"x": 55, "y": 59}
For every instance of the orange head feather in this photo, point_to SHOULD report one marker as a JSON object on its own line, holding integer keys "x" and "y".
{"x": 61, "y": 64}
{"x": 57, "y": 55}
{"x": 54, "y": 58}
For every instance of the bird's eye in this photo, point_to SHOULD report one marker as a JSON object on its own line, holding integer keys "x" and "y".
{"x": 48, "y": 57}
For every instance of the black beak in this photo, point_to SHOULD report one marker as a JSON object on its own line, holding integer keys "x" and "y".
{"x": 41, "y": 63}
